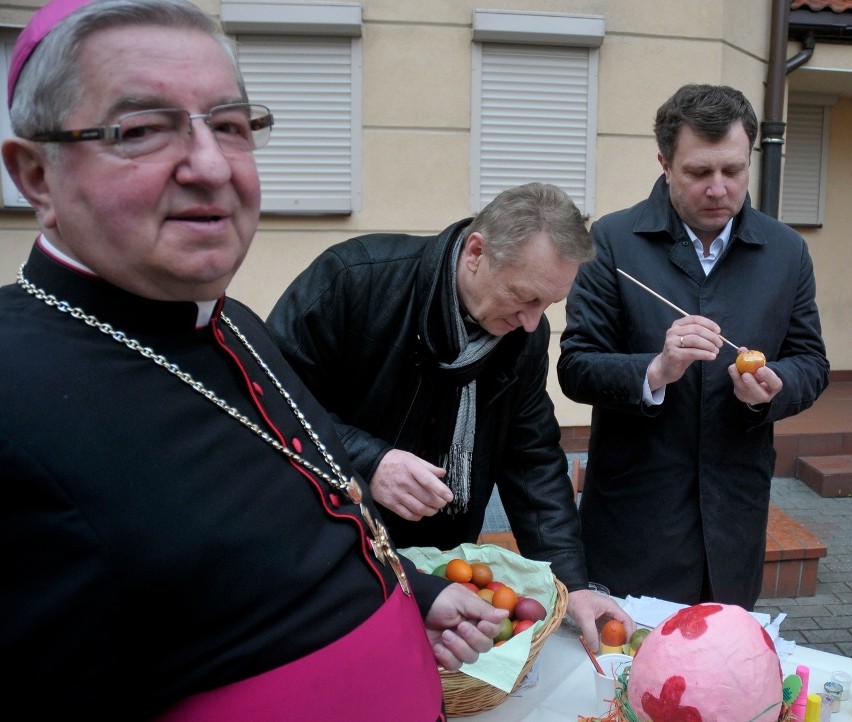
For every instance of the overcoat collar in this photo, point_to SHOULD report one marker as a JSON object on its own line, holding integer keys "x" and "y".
{"x": 659, "y": 216}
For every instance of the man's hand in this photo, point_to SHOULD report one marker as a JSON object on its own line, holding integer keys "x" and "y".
{"x": 757, "y": 388}
{"x": 409, "y": 486}
{"x": 461, "y": 626}
{"x": 587, "y": 607}
{"x": 691, "y": 338}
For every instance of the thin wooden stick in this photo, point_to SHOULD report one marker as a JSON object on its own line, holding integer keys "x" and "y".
{"x": 592, "y": 655}
{"x": 668, "y": 303}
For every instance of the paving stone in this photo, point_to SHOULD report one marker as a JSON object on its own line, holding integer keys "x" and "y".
{"x": 794, "y": 636}
{"x": 797, "y": 624}
{"x": 833, "y": 587}
{"x": 837, "y": 622}
{"x": 828, "y": 635}
{"x": 777, "y": 601}
{"x": 845, "y": 648}
{"x": 806, "y": 611}
{"x": 830, "y": 648}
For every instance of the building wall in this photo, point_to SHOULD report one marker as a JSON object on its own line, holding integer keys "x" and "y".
{"x": 416, "y": 133}
{"x": 831, "y": 245}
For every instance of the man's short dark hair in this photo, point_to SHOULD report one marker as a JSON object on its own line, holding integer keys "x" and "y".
{"x": 709, "y": 110}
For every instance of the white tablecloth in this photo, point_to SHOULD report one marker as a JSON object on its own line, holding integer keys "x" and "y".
{"x": 565, "y": 687}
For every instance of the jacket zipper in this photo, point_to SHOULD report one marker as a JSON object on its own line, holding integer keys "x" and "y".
{"x": 408, "y": 412}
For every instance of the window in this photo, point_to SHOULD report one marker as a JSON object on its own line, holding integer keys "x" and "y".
{"x": 12, "y": 197}
{"x": 534, "y": 110}
{"x": 304, "y": 62}
{"x": 806, "y": 159}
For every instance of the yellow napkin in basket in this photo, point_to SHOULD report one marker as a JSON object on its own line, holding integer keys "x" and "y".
{"x": 501, "y": 665}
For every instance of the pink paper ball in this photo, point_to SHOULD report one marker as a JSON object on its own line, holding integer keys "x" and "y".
{"x": 707, "y": 663}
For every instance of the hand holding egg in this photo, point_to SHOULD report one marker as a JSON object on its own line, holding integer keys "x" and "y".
{"x": 751, "y": 385}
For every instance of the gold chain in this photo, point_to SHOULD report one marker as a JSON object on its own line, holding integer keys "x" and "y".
{"x": 382, "y": 547}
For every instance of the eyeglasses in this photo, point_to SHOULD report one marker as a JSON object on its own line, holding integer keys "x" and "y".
{"x": 145, "y": 134}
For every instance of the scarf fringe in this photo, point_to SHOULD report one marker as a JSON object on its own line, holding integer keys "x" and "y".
{"x": 458, "y": 466}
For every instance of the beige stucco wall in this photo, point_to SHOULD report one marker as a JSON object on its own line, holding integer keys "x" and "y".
{"x": 831, "y": 246}
{"x": 829, "y": 71}
{"x": 416, "y": 133}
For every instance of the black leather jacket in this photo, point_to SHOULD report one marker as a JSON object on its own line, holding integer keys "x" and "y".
{"x": 353, "y": 326}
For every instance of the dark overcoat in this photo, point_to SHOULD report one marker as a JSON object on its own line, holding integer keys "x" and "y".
{"x": 667, "y": 484}
{"x": 355, "y": 327}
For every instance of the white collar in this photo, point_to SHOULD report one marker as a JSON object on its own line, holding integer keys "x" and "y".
{"x": 205, "y": 308}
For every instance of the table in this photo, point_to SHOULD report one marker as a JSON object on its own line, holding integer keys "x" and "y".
{"x": 566, "y": 686}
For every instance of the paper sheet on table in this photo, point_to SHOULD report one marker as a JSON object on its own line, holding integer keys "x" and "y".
{"x": 649, "y": 612}
{"x": 500, "y": 666}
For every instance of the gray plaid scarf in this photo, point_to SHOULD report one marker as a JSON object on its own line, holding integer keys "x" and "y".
{"x": 473, "y": 346}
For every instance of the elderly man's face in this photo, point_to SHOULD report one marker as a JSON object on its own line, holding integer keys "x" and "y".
{"x": 175, "y": 230}
{"x": 517, "y": 295}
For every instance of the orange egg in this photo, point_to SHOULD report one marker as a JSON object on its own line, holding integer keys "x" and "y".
{"x": 613, "y": 633}
{"x": 458, "y": 570}
{"x": 750, "y": 361}
{"x": 505, "y": 598}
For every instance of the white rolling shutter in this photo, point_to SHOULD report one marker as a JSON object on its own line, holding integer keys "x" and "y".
{"x": 534, "y": 119}
{"x": 12, "y": 197}
{"x": 534, "y": 104}
{"x": 311, "y": 85}
{"x": 803, "y": 187}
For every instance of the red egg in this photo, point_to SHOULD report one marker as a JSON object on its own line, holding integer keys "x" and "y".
{"x": 521, "y": 625}
{"x": 531, "y": 609}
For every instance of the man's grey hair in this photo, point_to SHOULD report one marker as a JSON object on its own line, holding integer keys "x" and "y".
{"x": 50, "y": 86}
{"x": 517, "y": 214}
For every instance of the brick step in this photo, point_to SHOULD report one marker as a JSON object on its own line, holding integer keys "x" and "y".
{"x": 791, "y": 445}
{"x": 790, "y": 565}
{"x": 828, "y": 476}
{"x": 792, "y": 557}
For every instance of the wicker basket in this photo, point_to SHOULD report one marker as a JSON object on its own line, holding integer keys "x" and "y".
{"x": 465, "y": 695}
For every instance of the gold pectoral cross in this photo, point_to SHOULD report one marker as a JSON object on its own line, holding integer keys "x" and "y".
{"x": 380, "y": 542}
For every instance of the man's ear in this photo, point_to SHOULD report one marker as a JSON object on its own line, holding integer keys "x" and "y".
{"x": 665, "y": 164}
{"x": 473, "y": 249}
{"x": 27, "y": 164}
